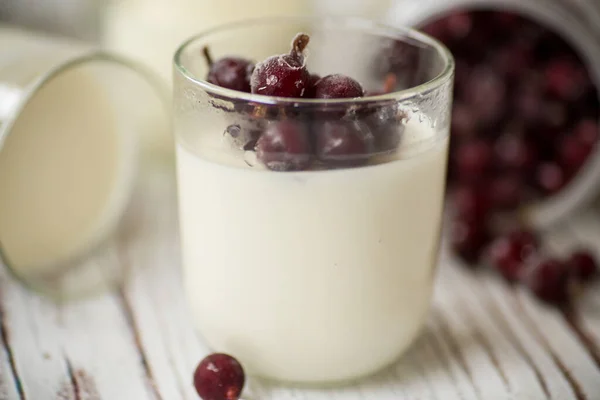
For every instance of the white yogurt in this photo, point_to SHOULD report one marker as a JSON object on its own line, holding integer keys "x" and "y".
{"x": 311, "y": 276}
{"x": 66, "y": 172}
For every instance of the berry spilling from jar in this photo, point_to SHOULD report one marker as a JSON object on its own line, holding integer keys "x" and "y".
{"x": 325, "y": 136}
{"x": 525, "y": 121}
{"x": 526, "y": 108}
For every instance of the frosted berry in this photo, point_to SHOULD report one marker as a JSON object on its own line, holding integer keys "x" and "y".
{"x": 283, "y": 75}
{"x": 219, "y": 377}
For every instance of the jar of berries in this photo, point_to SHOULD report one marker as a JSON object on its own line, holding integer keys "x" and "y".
{"x": 526, "y": 109}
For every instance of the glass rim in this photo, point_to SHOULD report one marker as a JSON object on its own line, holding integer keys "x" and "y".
{"x": 74, "y": 62}
{"x": 6, "y": 126}
{"x": 352, "y": 22}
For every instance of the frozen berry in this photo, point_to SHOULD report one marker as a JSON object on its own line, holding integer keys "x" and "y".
{"x": 468, "y": 239}
{"x": 343, "y": 142}
{"x": 514, "y": 152}
{"x": 470, "y": 203}
{"x": 583, "y": 266}
{"x": 310, "y": 91}
{"x": 509, "y": 254}
{"x": 459, "y": 25}
{"x": 338, "y": 86}
{"x": 485, "y": 93}
{"x": 506, "y": 191}
{"x": 565, "y": 79}
{"x": 550, "y": 177}
{"x": 464, "y": 123}
{"x": 572, "y": 153}
{"x": 285, "y": 146}
{"x": 229, "y": 72}
{"x": 386, "y": 125}
{"x": 587, "y": 132}
{"x": 549, "y": 281}
{"x": 219, "y": 377}
{"x": 472, "y": 160}
{"x": 398, "y": 58}
{"x": 284, "y": 75}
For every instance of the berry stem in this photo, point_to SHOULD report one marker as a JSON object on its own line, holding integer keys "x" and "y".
{"x": 207, "y": 56}
{"x": 299, "y": 44}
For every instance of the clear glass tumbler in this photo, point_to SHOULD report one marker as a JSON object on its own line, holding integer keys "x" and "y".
{"x": 71, "y": 123}
{"x": 310, "y": 228}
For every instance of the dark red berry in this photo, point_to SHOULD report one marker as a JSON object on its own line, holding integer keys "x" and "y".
{"x": 219, "y": 377}
{"x": 231, "y": 73}
{"x": 513, "y": 60}
{"x": 565, "y": 79}
{"x": 464, "y": 123}
{"x": 528, "y": 100}
{"x": 386, "y": 127}
{"x": 398, "y": 58}
{"x": 459, "y": 25}
{"x": 572, "y": 153}
{"x": 550, "y": 177}
{"x": 553, "y": 114}
{"x": 310, "y": 91}
{"x": 509, "y": 254}
{"x": 285, "y": 146}
{"x": 549, "y": 281}
{"x": 468, "y": 239}
{"x": 284, "y": 75}
{"x": 343, "y": 143}
{"x": 506, "y": 191}
{"x": 473, "y": 160}
{"x": 471, "y": 203}
{"x": 485, "y": 93}
{"x": 587, "y": 132}
{"x": 338, "y": 86}
{"x": 514, "y": 152}
{"x": 583, "y": 266}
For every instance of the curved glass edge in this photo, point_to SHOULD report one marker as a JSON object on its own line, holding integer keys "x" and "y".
{"x": 42, "y": 283}
{"x": 358, "y": 23}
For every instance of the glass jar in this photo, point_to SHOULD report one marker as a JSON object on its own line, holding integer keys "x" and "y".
{"x": 69, "y": 132}
{"x": 310, "y": 228}
{"x": 578, "y": 22}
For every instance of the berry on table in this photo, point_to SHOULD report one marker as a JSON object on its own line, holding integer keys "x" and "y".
{"x": 468, "y": 238}
{"x": 549, "y": 281}
{"x": 583, "y": 266}
{"x": 219, "y": 377}
{"x": 509, "y": 254}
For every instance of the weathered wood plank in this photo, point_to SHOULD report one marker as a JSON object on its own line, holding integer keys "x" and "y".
{"x": 502, "y": 306}
{"x": 102, "y": 356}
{"x": 583, "y": 231}
{"x": 34, "y": 341}
{"x": 520, "y": 378}
{"x": 82, "y": 351}
{"x": 483, "y": 340}
{"x": 10, "y": 385}
{"x": 153, "y": 295}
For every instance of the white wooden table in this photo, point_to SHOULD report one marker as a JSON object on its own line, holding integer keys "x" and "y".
{"x": 484, "y": 340}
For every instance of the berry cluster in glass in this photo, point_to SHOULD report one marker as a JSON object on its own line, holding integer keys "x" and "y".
{"x": 319, "y": 136}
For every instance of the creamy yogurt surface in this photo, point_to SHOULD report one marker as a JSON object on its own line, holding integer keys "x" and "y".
{"x": 310, "y": 276}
